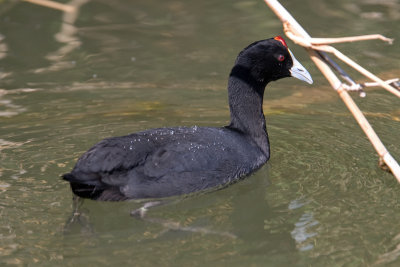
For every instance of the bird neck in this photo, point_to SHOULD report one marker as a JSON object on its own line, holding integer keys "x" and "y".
{"x": 246, "y": 107}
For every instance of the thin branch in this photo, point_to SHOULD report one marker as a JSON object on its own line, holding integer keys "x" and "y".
{"x": 308, "y": 41}
{"x": 349, "y": 39}
{"x": 316, "y": 44}
{"x": 52, "y": 4}
{"x": 296, "y": 32}
{"x": 357, "y": 67}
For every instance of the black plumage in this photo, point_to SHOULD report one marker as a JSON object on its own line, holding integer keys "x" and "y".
{"x": 172, "y": 161}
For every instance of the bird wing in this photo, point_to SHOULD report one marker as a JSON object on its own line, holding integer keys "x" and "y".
{"x": 108, "y": 156}
{"x": 180, "y": 169}
{"x": 186, "y": 157}
{"x": 143, "y": 166}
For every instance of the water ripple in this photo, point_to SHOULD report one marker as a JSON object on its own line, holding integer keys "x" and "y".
{"x": 301, "y": 233}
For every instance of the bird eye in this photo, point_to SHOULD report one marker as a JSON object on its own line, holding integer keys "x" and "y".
{"x": 281, "y": 58}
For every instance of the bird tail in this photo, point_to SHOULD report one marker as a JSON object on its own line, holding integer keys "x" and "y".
{"x": 82, "y": 188}
{"x": 92, "y": 189}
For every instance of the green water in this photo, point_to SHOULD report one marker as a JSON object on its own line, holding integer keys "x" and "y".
{"x": 123, "y": 66}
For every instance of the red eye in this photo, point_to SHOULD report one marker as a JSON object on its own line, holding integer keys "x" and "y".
{"x": 281, "y": 58}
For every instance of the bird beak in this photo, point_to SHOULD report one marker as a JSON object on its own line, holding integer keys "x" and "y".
{"x": 298, "y": 71}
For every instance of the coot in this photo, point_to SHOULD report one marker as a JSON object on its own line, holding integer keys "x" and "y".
{"x": 173, "y": 161}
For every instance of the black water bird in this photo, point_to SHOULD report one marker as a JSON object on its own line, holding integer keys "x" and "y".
{"x": 173, "y": 161}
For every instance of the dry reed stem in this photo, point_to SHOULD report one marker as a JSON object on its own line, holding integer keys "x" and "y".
{"x": 349, "y": 39}
{"x": 325, "y": 41}
{"x": 52, "y": 4}
{"x": 354, "y": 65}
{"x": 316, "y": 44}
{"x": 296, "y": 32}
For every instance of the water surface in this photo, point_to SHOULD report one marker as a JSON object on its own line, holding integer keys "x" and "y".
{"x": 117, "y": 67}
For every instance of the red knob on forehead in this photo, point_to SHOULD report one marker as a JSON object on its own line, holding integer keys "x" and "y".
{"x": 280, "y": 39}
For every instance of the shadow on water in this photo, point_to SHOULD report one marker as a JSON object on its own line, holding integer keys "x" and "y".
{"x": 237, "y": 224}
{"x": 142, "y": 209}
{"x": 237, "y": 216}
